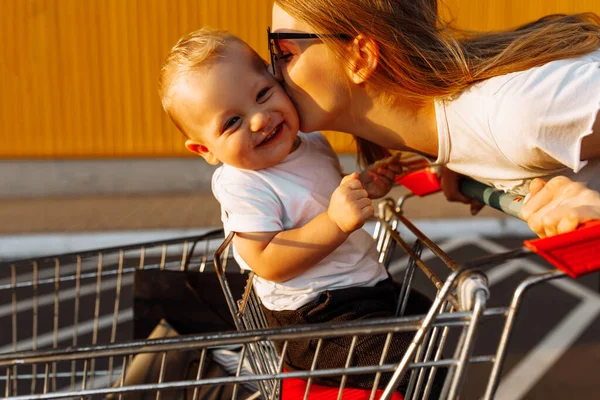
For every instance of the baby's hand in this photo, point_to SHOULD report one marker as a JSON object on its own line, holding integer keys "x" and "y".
{"x": 378, "y": 178}
{"x": 350, "y": 206}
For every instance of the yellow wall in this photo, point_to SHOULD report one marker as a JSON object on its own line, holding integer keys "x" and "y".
{"x": 501, "y": 14}
{"x": 78, "y": 77}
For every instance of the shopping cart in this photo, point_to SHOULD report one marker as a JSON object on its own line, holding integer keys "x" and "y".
{"x": 82, "y": 300}
{"x": 51, "y": 353}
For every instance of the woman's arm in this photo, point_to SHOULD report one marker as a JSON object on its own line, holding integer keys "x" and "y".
{"x": 561, "y": 205}
{"x": 280, "y": 256}
{"x": 590, "y": 145}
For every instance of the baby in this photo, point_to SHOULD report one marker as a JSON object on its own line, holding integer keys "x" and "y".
{"x": 297, "y": 218}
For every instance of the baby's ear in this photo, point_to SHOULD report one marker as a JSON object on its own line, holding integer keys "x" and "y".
{"x": 201, "y": 150}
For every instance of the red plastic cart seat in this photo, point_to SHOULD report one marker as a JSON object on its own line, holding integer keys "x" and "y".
{"x": 294, "y": 388}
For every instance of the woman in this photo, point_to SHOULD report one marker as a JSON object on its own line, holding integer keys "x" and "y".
{"x": 505, "y": 108}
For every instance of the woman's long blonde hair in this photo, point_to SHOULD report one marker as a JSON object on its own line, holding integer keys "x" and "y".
{"x": 422, "y": 56}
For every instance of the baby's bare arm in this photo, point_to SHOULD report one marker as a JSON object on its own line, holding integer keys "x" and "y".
{"x": 280, "y": 256}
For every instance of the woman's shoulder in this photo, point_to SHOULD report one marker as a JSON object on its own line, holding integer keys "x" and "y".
{"x": 519, "y": 101}
{"x": 546, "y": 107}
{"x": 555, "y": 77}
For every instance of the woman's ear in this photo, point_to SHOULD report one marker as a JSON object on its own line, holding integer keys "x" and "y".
{"x": 201, "y": 150}
{"x": 363, "y": 58}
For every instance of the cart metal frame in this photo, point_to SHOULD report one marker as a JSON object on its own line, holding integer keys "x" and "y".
{"x": 61, "y": 364}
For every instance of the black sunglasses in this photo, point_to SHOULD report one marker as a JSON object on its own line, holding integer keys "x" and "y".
{"x": 274, "y": 49}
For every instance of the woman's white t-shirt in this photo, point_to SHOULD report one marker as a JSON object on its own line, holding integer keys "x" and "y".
{"x": 288, "y": 196}
{"x": 512, "y": 128}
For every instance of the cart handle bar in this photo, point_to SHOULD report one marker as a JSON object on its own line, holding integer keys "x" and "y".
{"x": 576, "y": 253}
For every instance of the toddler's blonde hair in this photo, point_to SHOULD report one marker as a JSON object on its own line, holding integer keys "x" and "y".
{"x": 192, "y": 52}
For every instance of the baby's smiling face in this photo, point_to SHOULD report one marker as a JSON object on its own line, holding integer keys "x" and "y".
{"x": 234, "y": 111}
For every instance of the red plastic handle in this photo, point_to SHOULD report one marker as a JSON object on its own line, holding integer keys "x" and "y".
{"x": 577, "y": 253}
{"x": 421, "y": 182}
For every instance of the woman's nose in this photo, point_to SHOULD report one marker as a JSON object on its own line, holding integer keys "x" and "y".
{"x": 260, "y": 121}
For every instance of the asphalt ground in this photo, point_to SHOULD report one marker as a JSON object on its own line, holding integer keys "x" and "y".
{"x": 161, "y": 211}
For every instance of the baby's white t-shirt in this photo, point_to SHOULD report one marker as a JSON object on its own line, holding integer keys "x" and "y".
{"x": 288, "y": 196}
{"x": 512, "y": 128}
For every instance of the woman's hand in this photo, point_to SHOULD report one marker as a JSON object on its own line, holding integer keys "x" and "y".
{"x": 449, "y": 183}
{"x": 379, "y": 177}
{"x": 559, "y": 206}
